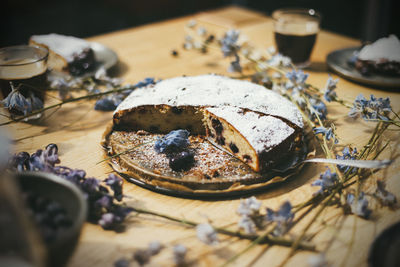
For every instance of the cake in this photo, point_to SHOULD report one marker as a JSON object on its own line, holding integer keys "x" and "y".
{"x": 382, "y": 57}
{"x": 255, "y": 125}
{"x": 66, "y": 53}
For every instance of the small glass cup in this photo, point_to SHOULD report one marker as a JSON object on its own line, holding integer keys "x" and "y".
{"x": 295, "y": 31}
{"x": 23, "y": 67}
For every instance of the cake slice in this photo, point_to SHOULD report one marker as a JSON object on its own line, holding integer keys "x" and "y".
{"x": 382, "y": 56}
{"x": 66, "y": 53}
{"x": 257, "y": 139}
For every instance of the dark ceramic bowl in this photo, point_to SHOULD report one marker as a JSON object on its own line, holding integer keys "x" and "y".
{"x": 67, "y": 195}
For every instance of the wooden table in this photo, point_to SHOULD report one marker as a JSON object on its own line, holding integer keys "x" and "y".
{"x": 146, "y": 52}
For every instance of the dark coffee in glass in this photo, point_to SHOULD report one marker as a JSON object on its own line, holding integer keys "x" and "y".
{"x": 295, "y": 32}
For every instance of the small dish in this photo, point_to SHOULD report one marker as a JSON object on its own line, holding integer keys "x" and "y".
{"x": 70, "y": 198}
{"x": 338, "y": 62}
{"x": 385, "y": 249}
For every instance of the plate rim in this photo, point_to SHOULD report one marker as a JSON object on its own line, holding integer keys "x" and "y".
{"x": 357, "y": 78}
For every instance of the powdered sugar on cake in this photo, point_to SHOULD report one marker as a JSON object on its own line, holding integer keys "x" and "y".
{"x": 65, "y": 46}
{"x": 214, "y": 91}
{"x": 263, "y": 132}
{"x": 387, "y": 48}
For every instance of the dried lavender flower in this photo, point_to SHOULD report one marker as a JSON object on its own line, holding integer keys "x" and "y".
{"x": 327, "y": 132}
{"x": 373, "y": 109}
{"x": 326, "y": 181}
{"x": 358, "y": 206}
{"x": 155, "y": 247}
{"x": 142, "y": 256}
{"x": 329, "y": 93}
{"x": 279, "y": 60}
{"x": 115, "y": 183}
{"x": 173, "y": 141}
{"x": 385, "y": 197}
{"x": 318, "y": 260}
{"x": 235, "y": 65}
{"x": 247, "y": 224}
{"x": 102, "y": 207}
{"x": 180, "y": 252}
{"x": 297, "y": 77}
{"x": 318, "y": 108}
{"x": 207, "y": 234}
{"x": 229, "y": 46}
{"x": 249, "y": 206}
{"x": 249, "y": 209}
{"x": 348, "y": 153}
{"x": 122, "y": 262}
{"x": 283, "y": 218}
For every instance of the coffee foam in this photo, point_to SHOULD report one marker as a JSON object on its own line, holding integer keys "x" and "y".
{"x": 296, "y": 26}
{"x": 24, "y": 70}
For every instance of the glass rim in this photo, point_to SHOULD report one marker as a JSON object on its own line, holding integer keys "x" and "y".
{"x": 310, "y": 12}
{"x": 24, "y": 47}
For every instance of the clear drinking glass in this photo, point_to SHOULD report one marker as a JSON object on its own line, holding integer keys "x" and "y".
{"x": 295, "y": 31}
{"x": 24, "y": 68}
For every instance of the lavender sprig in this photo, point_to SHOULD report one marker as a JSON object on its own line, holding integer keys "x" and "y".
{"x": 103, "y": 210}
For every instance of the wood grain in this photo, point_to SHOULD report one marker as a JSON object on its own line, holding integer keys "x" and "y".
{"x": 146, "y": 52}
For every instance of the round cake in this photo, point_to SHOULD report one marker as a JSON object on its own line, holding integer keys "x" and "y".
{"x": 249, "y": 128}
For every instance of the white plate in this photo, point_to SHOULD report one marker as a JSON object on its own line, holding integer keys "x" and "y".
{"x": 338, "y": 62}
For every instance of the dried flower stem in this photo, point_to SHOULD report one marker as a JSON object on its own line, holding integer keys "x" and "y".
{"x": 39, "y": 111}
{"x": 261, "y": 239}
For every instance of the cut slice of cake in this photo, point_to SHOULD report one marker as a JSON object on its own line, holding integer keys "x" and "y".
{"x": 66, "y": 53}
{"x": 257, "y": 139}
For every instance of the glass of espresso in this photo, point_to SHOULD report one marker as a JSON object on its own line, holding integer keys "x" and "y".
{"x": 23, "y": 68}
{"x": 295, "y": 31}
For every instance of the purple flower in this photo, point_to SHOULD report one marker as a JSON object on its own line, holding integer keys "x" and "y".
{"x": 105, "y": 104}
{"x": 108, "y": 220}
{"x": 180, "y": 252}
{"x": 155, "y": 247}
{"x": 282, "y": 217}
{"x": 229, "y": 44}
{"x": 20, "y": 162}
{"x": 115, "y": 183}
{"x": 174, "y": 141}
{"x": 102, "y": 208}
{"x": 147, "y": 81}
{"x": 347, "y": 154}
{"x": 330, "y": 86}
{"x": 90, "y": 185}
{"x": 385, "y": 197}
{"x": 122, "y": 262}
{"x": 105, "y": 202}
{"x": 279, "y": 60}
{"x": 249, "y": 206}
{"x": 326, "y": 181}
{"x": 318, "y": 108}
{"x": 358, "y": 206}
{"x": 247, "y": 224}
{"x": 373, "y": 109}
{"x": 51, "y": 154}
{"x": 235, "y": 65}
{"x": 207, "y": 234}
{"x": 327, "y": 132}
{"x": 297, "y": 77}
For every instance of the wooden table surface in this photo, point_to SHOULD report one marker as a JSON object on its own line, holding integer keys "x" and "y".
{"x": 146, "y": 52}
